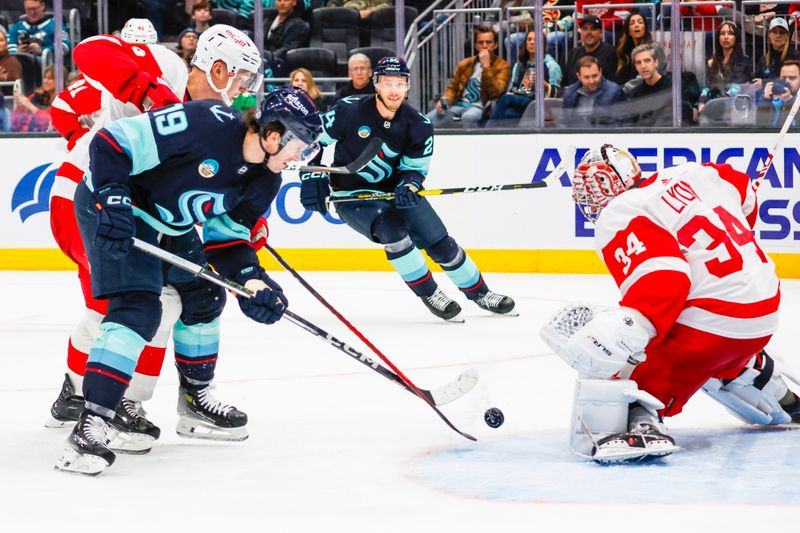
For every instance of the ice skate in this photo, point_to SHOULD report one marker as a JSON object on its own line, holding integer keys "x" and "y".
{"x": 201, "y": 416}
{"x": 130, "y": 431}
{"x": 497, "y": 304}
{"x": 642, "y": 443}
{"x": 67, "y": 407}
{"x": 86, "y": 451}
{"x": 440, "y": 305}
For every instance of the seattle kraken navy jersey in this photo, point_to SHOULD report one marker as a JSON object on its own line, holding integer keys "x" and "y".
{"x": 405, "y": 154}
{"x": 184, "y": 165}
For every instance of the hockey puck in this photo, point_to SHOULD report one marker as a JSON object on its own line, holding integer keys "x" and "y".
{"x": 494, "y": 417}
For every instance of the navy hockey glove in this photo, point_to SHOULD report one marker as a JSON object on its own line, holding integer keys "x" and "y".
{"x": 267, "y": 304}
{"x": 115, "y": 223}
{"x": 314, "y": 191}
{"x": 405, "y": 195}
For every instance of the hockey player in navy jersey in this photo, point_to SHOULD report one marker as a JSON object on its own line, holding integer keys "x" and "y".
{"x": 407, "y": 223}
{"x": 155, "y": 176}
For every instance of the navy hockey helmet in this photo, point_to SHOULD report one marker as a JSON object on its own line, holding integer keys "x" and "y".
{"x": 391, "y": 66}
{"x": 295, "y": 110}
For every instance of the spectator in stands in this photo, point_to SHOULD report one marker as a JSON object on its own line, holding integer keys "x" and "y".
{"x": 286, "y": 32}
{"x": 158, "y": 12}
{"x": 5, "y": 116}
{"x": 34, "y": 32}
{"x": 477, "y": 81}
{"x": 779, "y": 49}
{"x": 359, "y": 69}
{"x": 201, "y": 16}
{"x": 634, "y": 33}
{"x": 521, "y": 90}
{"x": 10, "y": 67}
{"x": 32, "y": 112}
{"x": 302, "y": 79}
{"x": 592, "y": 45}
{"x": 728, "y": 68}
{"x": 782, "y": 92}
{"x": 365, "y": 7}
{"x": 244, "y": 8}
{"x": 589, "y": 101}
{"x": 187, "y": 44}
{"x": 611, "y": 16}
{"x": 651, "y": 99}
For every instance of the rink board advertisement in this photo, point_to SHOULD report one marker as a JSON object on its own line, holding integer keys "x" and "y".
{"x": 534, "y": 230}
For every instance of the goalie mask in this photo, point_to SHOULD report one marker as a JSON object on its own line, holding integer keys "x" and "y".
{"x": 603, "y": 174}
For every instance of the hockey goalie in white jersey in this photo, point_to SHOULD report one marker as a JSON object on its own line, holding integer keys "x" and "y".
{"x": 699, "y": 304}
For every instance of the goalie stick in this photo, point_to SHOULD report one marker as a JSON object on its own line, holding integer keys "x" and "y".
{"x": 427, "y": 396}
{"x": 768, "y": 163}
{"x": 560, "y": 169}
{"x": 371, "y": 150}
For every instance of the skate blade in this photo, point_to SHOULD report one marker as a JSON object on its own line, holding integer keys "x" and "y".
{"x": 54, "y": 423}
{"x": 458, "y": 319}
{"x": 193, "y": 428}
{"x": 629, "y": 455}
{"x": 130, "y": 443}
{"x": 73, "y": 462}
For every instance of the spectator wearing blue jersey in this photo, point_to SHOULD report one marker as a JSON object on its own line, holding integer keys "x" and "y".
{"x": 34, "y": 32}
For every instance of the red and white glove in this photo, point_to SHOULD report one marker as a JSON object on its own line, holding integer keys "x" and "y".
{"x": 75, "y": 136}
{"x": 259, "y": 234}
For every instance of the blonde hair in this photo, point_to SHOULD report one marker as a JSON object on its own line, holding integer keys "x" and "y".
{"x": 313, "y": 90}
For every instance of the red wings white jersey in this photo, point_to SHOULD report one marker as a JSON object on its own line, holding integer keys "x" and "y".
{"x": 75, "y": 108}
{"x": 681, "y": 249}
{"x": 109, "y": 65}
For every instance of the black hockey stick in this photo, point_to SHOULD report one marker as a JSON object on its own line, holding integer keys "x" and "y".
{"x": 209, "y": 275}
{"x": 450, "y": 392}
{"x": 371, "y": 150}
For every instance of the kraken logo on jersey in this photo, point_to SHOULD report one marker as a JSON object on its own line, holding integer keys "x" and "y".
{"x": 364, "y": 132}
{"x": 195, "y": 206}
{"x": 378, "y": 169}
{"x": 32, "y": 193}
{"x": 208, "y": 168}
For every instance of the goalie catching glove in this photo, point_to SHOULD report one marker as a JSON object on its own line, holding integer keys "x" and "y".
{"x": 599, "y": 344}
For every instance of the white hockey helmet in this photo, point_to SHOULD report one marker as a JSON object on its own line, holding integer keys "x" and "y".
{"x": 229, "y": 45}
{"x": 603, "y": 174}
{"x": 139, "y": 31}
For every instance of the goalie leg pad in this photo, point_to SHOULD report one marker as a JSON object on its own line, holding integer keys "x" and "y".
{"x": 754, "y": 395}
{"x": 600, "y": 408}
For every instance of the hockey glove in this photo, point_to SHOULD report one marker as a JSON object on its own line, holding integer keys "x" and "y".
{"x": 115, "y": 223}
{"x": 314, "y": 191}
{"x": 151, "y": 92}
{"x": 259, "y": 234}
{"x": 405, "y": 195}
{"x": 74, "y": 136}
{"x": 267, "y": 304}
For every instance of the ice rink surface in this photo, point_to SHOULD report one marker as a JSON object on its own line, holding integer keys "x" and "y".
{"x": 335, "y": 447}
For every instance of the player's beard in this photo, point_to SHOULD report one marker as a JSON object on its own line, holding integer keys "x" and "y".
{"x": 387, "y": 106}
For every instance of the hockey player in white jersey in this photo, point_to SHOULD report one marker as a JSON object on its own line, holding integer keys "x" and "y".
{"x": 699, "y": 304}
